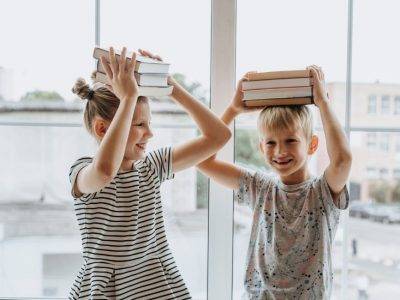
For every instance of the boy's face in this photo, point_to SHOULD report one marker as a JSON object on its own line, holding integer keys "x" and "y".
{"x": 287, "y": 152}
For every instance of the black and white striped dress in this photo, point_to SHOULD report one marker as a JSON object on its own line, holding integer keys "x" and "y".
{"x": 125, "y": 249}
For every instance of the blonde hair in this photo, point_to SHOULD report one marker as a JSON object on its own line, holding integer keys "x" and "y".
{"x": 101, "y": 102}
{"x": 289, "y": 117}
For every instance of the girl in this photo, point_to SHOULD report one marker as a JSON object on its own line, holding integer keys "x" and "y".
{"x": 117, "y": 192}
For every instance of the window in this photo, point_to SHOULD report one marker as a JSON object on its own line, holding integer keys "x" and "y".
{"x": 372, "y": 102}
{"x": 385, "y": 107}
{"x": 385, "y": 140}
{"x": 371, "y": 140}
{"x": 397, "y": 105}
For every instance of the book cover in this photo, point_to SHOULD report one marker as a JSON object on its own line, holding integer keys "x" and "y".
{"x": 278, "y": 75}
{"x": 294, "y": 92}
{"x": 276, "y": 83}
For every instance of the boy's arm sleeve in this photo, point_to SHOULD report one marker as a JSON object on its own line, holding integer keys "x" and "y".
{"x": 250, "y": 185}
{"x": 161, "y": 162}
{"x": 343, "y": 199}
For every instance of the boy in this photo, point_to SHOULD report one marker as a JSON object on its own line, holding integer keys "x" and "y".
{"x": 295, "y": 215}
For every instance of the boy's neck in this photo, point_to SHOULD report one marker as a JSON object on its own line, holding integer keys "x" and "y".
{"x": 296, "y": 177}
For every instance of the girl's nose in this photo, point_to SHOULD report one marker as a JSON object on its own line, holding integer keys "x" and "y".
{"x": 149, "y": 133}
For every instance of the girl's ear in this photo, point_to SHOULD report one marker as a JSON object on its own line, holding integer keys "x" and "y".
{"x": 100, "y": 127}
{"x": 313, "y": 146}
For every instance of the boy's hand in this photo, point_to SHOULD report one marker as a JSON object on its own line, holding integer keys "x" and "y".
{"x": 170, "y": 79}
{"x": 320, "y": 93}
{"x": 120, "y": 75}
{"x": 237, "y": 104}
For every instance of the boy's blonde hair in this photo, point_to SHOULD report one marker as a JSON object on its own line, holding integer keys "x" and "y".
{"x": 100, "y": 101}
{"x": 289, "y": 117}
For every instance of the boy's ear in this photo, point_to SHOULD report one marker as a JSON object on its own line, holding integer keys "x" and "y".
{"x": 313, "y": 146}
{"x": 260, "y": 147}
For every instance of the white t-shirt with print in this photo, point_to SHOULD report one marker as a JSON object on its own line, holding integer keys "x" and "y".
{"x": 293, "y": 229}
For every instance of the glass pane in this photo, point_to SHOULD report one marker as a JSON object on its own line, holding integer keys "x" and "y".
{"x": 39, "y": 240}
{"x": 374, "y": 224}
{"x": 183, "y": 40}
{"x": 376, "y": 84}
{"x": 271, "y": 37}
{"x": 49, "y": 46}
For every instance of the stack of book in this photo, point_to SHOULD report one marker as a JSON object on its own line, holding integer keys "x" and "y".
{"x": 151, "y": 74}
{"x": 278, "y": 88}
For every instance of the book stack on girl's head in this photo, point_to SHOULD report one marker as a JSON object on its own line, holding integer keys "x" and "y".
{"x": 278, "y": 88}
{"x": 151, "y": 74}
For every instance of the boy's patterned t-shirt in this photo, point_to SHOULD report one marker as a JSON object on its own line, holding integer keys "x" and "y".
{"x": 293, "y": 229}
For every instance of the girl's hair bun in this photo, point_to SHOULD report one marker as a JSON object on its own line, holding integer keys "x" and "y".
{"x": 81, "y": 88}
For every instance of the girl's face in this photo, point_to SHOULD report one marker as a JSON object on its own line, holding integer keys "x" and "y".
{"x": 140, "y": 132}
{"x": 286, "y": 152}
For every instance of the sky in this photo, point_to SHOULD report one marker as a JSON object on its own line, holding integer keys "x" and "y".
{"x": 48, "y": 44}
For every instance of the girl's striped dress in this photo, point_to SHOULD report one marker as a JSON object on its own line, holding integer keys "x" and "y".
{"x": 125, "y": 249}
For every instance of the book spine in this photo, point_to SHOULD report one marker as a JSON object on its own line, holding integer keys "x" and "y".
{"x": 278, "y": 93}
{"x": 278, "y": 75}
{"x": 276, "y": 83}
{"x": 278, "y": 102}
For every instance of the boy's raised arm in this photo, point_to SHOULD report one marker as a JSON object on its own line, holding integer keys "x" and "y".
{"x": 226, "y": 174}
{"x": 339, "y": 152}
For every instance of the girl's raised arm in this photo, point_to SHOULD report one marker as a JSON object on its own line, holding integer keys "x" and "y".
{"x": 114, "y": 135}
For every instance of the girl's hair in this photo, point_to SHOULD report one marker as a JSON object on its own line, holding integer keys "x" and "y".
{"x": 289, "y": 117}
{"x": 101, "y": 102}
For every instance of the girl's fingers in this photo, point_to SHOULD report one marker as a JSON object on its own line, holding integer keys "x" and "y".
{"x": 158, "y": 57}
{"x": 122, "y": 62}
{"x": 106, "y": 67}
{"x": 113, "y": 61}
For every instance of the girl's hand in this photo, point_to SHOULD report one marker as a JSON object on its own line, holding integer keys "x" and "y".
{"x": 120, "y": 75}
{"x": 320, "y": 94}
{"x": 237, "y": 104}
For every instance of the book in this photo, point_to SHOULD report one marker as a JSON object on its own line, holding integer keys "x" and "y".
{"x": 276, "y": 83}
{"x": 292, "y": 92}
{"x": 148, "y": 91}
{"x": 143, "y": 64}
{"x": 147, "y": 79}
{"x": 278, "y": 75}
{"x": 277, "y": 102}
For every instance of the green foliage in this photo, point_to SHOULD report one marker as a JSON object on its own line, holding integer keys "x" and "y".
{"x": 380, "y": 190}
{"x": 194, "y": 88}
{"x": 396, "y": 192}
{"x": 42, "y": 96}
{"x": 246, "y": 146}
{"x": 202, "y": 190}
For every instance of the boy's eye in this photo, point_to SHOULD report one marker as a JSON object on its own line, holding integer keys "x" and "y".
{"x": 270, "y": 143}
{"x": 291, "y": 140}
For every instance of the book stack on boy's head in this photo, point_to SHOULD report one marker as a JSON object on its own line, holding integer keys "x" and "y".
{"x": 278, "y": 88}
{"x": 151, "y": 74}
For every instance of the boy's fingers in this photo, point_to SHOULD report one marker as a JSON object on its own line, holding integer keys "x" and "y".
{"x": 113, "y": 61}
{"x": 106, "y": 67}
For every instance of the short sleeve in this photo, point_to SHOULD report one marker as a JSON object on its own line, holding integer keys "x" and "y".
{"x": 161, "y": 161}
{"x": 326, "y": 195}
{"x": 76, "y": 167}
{"x": 252, "y": 186}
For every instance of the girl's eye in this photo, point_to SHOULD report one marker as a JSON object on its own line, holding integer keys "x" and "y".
{"x": 270, "y": 143}
{"x": 291, "y": 140}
